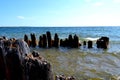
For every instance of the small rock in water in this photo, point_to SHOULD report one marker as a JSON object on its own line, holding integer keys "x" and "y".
{"x": 63, "y": 77}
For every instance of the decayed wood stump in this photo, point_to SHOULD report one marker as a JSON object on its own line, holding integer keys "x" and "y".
{"x": 90, "y": 44}
{"x": 56, "y": 40}
{"x": 33, "y": 40}
{"x": 37, "y": 68}
{"x": 40, "y": 44}
{"x": 44, "y": 41}
{"x": 49, "y": 39}
{"x": 2, "y": 65}
{"x": 103, "y": 42}
{"x": 17, "y": 63}
{"x": 76, "y": 41}
{"x": 84, "y": 44}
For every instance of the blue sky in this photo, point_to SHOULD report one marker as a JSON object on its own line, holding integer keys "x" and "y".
{"x": 59, "y": 12}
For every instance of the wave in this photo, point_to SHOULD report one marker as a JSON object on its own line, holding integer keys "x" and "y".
{"x": 92, "y": 39}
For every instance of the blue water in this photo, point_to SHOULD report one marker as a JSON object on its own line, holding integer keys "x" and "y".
{"x": 83, "y": 32}
{"x": 81, "y": 63}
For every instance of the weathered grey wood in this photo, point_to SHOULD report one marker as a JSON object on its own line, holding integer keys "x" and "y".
{"x": 33, "y": 40}
{"x": 2, "y": 65}
{"x": 44, "y": 41}
{"x": 49, "y": 39}
{"x": 17, "y": 63}
{"x": 56, "y": 40}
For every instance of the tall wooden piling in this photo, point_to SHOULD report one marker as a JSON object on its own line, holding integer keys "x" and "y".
{"x": 61, "y": 42}
{"x": 66, "y": 42}
{"x": 76, "y": 41}
{"x": 2, "y": 65}
{"x": 70, "y": 41}
{"x": 56, "y": 40}
{"x": 44, "y": 41}
{"x": 33, "y": 40}
{"x": 14, "y": 66}
{"x": 40, "y": 43}
{"x": 49, "y": 39}
{"x": 26, "y": 39}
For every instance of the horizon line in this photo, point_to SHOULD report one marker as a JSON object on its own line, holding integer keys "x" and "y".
{"x": 61, "y": 26}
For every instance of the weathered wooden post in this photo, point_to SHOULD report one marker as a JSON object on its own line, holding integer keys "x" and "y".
{"x": 76, "y": 41}
{"x": 44, "y": 41}
{"x": 70, "y": 41}
{"x": 103, "y": 42}
{"x": 33, "y": 40}
{"x": 65, "y": 43}
{"x": 90, "y": 44}
{"x": 61, "y": 42}
{"x": 56, "y": 40}
{"x": 5, "y": 38}
{"x": 14, "y": 66}
{"x": 84, "y": 44}
{"x": 49, "y": 39}
{"x": 98, "y": 42}
{"x": 2, "y": 65}
{"x": 26, "y": 38}
{"x": 40, "y": 43}
{"x": 38, "y": 68}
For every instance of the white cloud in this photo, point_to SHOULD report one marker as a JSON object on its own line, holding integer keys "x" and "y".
{"x": 28, "y": 18}
{"x": 98, "y": 4}
{"x": 20, "y": 17}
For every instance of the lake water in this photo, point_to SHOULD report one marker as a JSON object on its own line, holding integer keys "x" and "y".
{"x": 82, "y": 63}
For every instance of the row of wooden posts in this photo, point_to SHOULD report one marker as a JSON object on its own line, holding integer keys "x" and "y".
{"x": 17, "y": 63}
{"x": 45, "y": 41}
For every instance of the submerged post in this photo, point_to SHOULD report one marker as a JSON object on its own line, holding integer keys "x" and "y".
{"x": 84, "y": 44}
{"x": 90, "y": 44}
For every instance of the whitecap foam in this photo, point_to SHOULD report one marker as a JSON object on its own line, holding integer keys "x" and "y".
{"x": 92, "y": 39}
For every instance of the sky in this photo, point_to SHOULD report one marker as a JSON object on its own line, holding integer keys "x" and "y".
{"x": 59, "y": 12}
